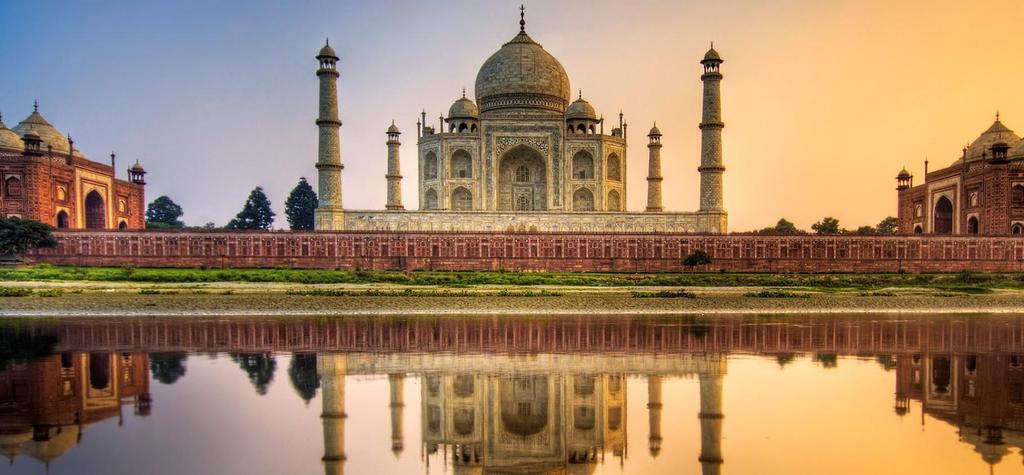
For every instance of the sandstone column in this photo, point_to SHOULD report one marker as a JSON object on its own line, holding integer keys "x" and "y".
{"x": 654, "y": 171}
{"x": 394, "y": 176}
{"x": 710, "y": 424}
{"x": 654, "y": 412}
{"x": 396, "y": 383}
{"x": 329, "y": 215}
{"x": 711, "y": 125}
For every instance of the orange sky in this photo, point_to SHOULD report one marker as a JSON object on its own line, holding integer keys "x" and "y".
{"x": 823, "y": 101}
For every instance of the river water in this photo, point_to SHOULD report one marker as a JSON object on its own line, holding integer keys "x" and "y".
{"x": 529, "y": 394}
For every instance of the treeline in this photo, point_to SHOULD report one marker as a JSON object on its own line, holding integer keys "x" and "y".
{"x": 830, "y": 226}
{"x": 256, "y": 213}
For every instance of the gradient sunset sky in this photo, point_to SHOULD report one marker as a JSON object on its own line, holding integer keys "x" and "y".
{"x": 823, "y": 101}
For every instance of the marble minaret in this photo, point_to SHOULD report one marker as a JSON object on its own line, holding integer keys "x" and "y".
{"x": 329, "y": 214}
{"x": 711, "y": 126}
{"x": 396, "y": 384}
{"x": 711, "y": 424}
{"x": 394, "y": 175}
{"x": 331, "y": 369}
{"x": 654, "y": 171}
{"x": 654, "y": 412}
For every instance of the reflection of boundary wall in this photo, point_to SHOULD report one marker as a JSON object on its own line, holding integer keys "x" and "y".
{"x": 535, "y": 251}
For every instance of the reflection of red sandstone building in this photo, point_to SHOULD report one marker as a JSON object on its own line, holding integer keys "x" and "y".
{"x": 982, "y": 394}
{"x": 980, "y": 193}
{"x": 46, "y": 404}
{"x": 43, "y": 177}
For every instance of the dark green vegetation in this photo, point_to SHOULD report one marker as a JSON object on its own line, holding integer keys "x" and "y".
{"x": 830, "y": 225}
{"x": 255, "y": 214}
{"x": 300, "y": 206}
{"x": 19, "y": 235}
{"x": 27, "y": 292}
{"x": 961, "y": 282}
{"x": 775, "y": 294}
{"x": 164, "y": 213}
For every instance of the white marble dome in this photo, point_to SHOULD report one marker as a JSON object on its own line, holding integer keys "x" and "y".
{"x": 522, "y": 75}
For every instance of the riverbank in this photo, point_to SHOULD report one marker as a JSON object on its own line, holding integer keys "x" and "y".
{"x": 85, "y": 298}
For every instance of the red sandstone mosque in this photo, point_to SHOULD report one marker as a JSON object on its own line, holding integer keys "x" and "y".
{"x": 43, "y": 177}
{"x": 981, "y": 193}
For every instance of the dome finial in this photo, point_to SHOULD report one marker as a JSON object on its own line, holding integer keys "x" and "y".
{"x": 581, "y": 93}
{"x": 997, "y": 115}
{"x": 327, "y": 41}
{"x": 35, "y": 105}
{"x": 463, "y": 92}
{"x": 522, "y": 18}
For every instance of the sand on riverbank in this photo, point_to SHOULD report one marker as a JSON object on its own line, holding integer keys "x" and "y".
{"x": 248, "y": 299}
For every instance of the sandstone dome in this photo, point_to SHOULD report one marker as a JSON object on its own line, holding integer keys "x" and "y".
{"x": 522, "y": 75}
{"x": 10, "y": 140}
{"x": 49, "y": 134}
{"x": 996, "y": 133}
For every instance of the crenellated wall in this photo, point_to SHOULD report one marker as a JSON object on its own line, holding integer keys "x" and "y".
{"x": 559, "y": 252}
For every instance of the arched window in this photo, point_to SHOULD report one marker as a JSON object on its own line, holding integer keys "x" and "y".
{"x": 430, "y": 166}
{"x": 95, "y": 211}
{"x": 1017, "y": 229}
{"x": 614, "y": 168}
{"x": 973, "y": 199}
{"x": 582, "y": 166}
{"x": 972, "y": 225}
{"x": 943, "y": 216}
{"x": 1018, "y": 194}
{"x": 62, "y": 220}
{"x": 522, "y": 174}
{"x": 13, "y": 186}
{"x": 918, "y": 230}
{"x": 462, "y": 199}
{"x": 430, "y": 199}
{"x": 614, "y": 202}
{"x": 583, "y": 200}
{"x": 463, "y": 127}
{"x": 122, "y": 226}
{"x": 461, "y": 165}
{"x": 472, "y": 128}
{"x": 581, "y": 128}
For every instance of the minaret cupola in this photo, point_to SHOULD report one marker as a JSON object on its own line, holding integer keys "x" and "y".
{"x": 580, "y": 117}
{"x": 463, "y": 116}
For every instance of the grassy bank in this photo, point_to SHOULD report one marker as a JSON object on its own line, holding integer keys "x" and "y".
{"x": 960, "y": 282}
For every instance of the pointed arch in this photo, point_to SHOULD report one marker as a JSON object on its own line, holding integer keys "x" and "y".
{"x": 461, "y": 165}
{"x": 583, "y": 165}
{"x": 430, "y": 199}
{"x": 430, "y": 166}
{"x": 95, "y": 211}
{"x": 62, "y": 220}
{"x": 462, "y": 199}
{"x": 614, "y": 201}
{"x": 614, "y": 167}
{"x": 583, "y": 200}
{"x": 943, "y": 216}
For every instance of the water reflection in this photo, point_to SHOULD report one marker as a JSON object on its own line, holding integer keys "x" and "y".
{"x": 503, "y": 395}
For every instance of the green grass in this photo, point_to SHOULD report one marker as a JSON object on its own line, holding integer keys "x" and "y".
{"x": 775, "y": 294}
{"x": 419, "y": 293}
{"x": 951, "y": 282}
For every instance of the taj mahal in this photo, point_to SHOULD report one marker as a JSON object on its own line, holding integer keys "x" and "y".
{"x": 524, "y": 156}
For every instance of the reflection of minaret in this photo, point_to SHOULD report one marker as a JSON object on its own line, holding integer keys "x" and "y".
{"x": 710, "y": 424}
{"x": 654, "y": 411}
{"x": 396, "y": 382}
{"x": 331, "y": 369}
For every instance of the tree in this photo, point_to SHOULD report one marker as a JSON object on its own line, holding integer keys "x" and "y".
{"x": 302, "y": 372}
{"x": 697, "y": 258}
{"x": 259, "y": 366}
{"x": 784, "y": 226}
{"x": 167, "y": 367}
{"x": 300, "y": 205}
{"x": 256, "y": 214}
{"x": 163, "y": 213}
{"x": 865, "y": 231}
{"x": 828, "y": 225}
{"x": 889, "y": 225}
{"x": 20, "y": 235}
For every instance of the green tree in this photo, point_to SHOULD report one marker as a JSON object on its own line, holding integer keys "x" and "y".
{"x": 828, "y": 225}
{"x": 300, "y": 205}
{"x": 865, "y": 231}
{"x": 302, "y": 372}
{"x": 163, "y": 213}
{"x": 889, "y": 225}
{"x": 20, "y": 235}
{"x": 167, "y": 367}
{"x": 784, "y": 226}
{"x": 697, "y": 258}
{"x": 259, "y": 366}
{"x": 256, "y": 214}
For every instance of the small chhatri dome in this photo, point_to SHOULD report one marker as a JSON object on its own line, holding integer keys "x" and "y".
{"x": 9, "y": 139}
{"x": 137, "y": 167}
{"x": 463, "y": 108}
{"x": 995, "y": 134}
{"x": 580, "y": 109}
{"x": 393, "y": 129}
{"x": 712, "y": 55}
{"x": 327, "y": 51}
{"x": 522, "y": 75}
{"x": 46, "y": 132}
{"x": 903, "y": 173}
{"x": 654, "y": 131}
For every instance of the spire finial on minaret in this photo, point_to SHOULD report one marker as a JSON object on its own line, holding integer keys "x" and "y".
{"x": 463, "y": 92}
{"x": 997, "y": 115}
{"x": 581, "y": 93}
{"x": 35, "y": 105}
{"x": 327, "y": 41}
{"x": 522, "y": 18}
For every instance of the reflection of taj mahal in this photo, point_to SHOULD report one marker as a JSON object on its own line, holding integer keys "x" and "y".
{"x": 525, "y": 156}
{"x": 551, "y": 414}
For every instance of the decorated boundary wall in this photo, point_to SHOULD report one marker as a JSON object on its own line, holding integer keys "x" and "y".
{"x": 555, "y": 252}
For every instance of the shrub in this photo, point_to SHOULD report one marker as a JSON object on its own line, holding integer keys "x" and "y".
{"x": 15, "y": 292}
{"x": 775, "y": 294}
{"x": 697, "y": 258}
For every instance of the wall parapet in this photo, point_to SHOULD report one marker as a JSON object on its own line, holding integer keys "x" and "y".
{"x": 551, "y": 251}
